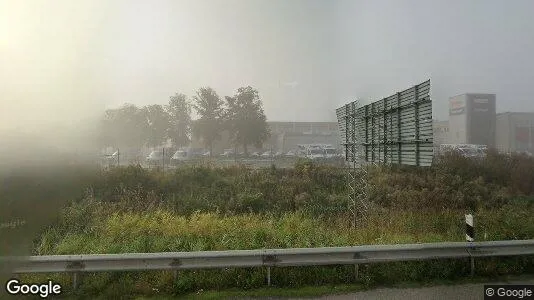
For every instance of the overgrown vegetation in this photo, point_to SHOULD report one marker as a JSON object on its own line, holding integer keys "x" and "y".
{"x": 454, "y": 182}
{"x": 200, "y": 208}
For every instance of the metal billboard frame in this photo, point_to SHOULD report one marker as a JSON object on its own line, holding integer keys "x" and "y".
{"x": 394, "y": 130}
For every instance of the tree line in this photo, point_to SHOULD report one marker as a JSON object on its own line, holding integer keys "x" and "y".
{"x": 241, "y": 115}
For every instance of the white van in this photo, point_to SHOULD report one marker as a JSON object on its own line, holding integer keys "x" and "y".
{"x": 187, "y": 154}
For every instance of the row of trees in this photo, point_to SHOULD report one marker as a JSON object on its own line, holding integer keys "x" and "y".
{"x": 241, "y": 115}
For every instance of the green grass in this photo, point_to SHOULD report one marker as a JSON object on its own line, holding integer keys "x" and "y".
{"x": 161, "y": 230}
{"x": 202, "y": 208}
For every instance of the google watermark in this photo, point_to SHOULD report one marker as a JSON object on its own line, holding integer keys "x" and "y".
{"x": 509, "y": 292}
{"x": 13, "y": 224}
{"x": 43, "y": 290}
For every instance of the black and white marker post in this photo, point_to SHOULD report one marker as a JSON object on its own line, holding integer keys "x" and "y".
{"x": 470, "y": 237}
{"x": 469, "y": 228}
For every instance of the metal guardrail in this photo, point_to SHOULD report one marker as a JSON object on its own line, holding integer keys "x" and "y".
{"x": 267, "y": 257}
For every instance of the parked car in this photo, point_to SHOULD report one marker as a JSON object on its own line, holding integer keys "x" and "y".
{"x": 291, "y": 153}
{"x": 315, "y": 153}
{"x": 186, "y": 154}
{"x": 157, "y": 157}
{"x": 527, "y": 153}
{"x": 255, "y": 154}
{"x": 228, "y": 153}
{"x": 180, "y": 156}
{"x": 330, "y": 152}
{"x": 466, "y": 150}
{"x": 267, "y": 154}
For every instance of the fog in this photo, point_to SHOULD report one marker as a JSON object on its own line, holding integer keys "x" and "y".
{"x": 62, "y": 63}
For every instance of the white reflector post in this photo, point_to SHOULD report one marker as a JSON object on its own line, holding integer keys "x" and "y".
{"x": 469, "y": 228}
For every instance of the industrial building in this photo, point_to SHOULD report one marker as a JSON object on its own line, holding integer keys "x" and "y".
{"x": 441, "y": 132}
{"x": 515, "y": 132}
{"x": 289, "y": 140}
{"x": 303, "y": 127}
{"x": 472, "y": 119}
{"x": 285, "y": 136}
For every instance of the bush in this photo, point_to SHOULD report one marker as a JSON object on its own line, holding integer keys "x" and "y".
{"x": 453, "y": 182}
{"x": 198, "y": 208}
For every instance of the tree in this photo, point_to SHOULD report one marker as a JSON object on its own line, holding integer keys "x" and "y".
{"x": 246, "y": 120}
{"x": 209, "y": 106}
{"x": 106, "y": 136}
{"x": 179, "y": 111}
{"x": 157, "y": 120}
{"x": 123, "y": 127}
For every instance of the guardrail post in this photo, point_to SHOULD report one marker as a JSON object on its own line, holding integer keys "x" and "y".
{"x": 175, "y": 264}
{"x": 268, "y": 276}
{"x": 356, "y": 271}
{"x": 472, "y": 266}
{"x": 268, "y": 261}
{"x": 75, "y": 280}
{"x": 470, "y": 238}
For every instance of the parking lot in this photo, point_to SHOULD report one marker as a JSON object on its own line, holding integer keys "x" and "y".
{"x": 164, "y": 158}
{"x": 285, "y": 162}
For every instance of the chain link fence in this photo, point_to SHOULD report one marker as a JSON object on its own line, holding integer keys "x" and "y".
{"x": 167, "y": 159}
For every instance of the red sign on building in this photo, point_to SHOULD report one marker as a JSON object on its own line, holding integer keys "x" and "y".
{"x": 522, "y": 134}
{"x": 456, "y": 106}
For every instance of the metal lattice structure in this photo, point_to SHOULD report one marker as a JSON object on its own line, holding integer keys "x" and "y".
{"x": 356, "y": 172}
{"x": 394, "y": 130}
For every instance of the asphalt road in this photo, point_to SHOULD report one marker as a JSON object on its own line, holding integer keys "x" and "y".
{"x": 463, "y": 291}
{"x": 466, "y": 291}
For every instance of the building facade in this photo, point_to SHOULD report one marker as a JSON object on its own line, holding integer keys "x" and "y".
{"x": 304, "y": 127}
{"x": 472, "y": 119}
{"x": 289, "y": 140}
{"x": 287, "y": 135}
{"x": 284, "y": 136}
{"x": 441, "y": 132}
{"x": 515, "y": 132}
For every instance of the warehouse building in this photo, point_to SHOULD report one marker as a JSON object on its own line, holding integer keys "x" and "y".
{"x": 289, "y": 140}
{"x": 303, "y": 127}
{"x": 472, "y": 119}
{"x": 284, "y": 136}
{"x": 515, "y": 132}
{"x": 441, "y": 132}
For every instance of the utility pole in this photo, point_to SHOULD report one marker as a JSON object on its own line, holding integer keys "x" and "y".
{"x": 530, "y": 137}
{"x": 272, "y": 154}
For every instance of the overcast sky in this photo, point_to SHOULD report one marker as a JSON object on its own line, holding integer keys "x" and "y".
{"x": 65, "y": 61}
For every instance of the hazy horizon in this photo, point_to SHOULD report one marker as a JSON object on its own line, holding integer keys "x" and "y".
{"x": 65, "y": 62}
